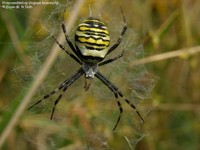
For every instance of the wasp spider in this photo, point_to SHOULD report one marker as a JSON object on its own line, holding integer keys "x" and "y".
{"x": 91, "y": 47}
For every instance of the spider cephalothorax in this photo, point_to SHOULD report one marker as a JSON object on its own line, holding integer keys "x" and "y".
{"x": 91, "y": 47}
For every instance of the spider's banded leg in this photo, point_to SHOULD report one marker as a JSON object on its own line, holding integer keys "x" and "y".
{"x": 48, "y": 95}
{"x": 66, "y": 36}
{"x": 133, "y": 106}
{"x": 52, "y": 92}
{"x": 55, "y": 103}
{"x": 70, "y": 54}
{"x": 121, "y": 35}
{"x": 113, "y": 88}
{"x": 111, "y": 59}
{"x": 68, "y": 82}
{"x": 121, "y": 111}
{"x": 68, "y": 40}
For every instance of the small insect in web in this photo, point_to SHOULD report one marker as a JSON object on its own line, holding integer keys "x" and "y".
{"x": 91, "y": 47}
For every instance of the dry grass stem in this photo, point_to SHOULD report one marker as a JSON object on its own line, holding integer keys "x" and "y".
{"x": 167, "y": 55}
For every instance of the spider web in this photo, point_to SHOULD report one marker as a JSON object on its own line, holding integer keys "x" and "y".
{"x": 84, "y": 120}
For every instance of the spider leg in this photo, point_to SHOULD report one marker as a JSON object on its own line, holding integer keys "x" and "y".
{"x": 111, "y": 59}
{"x": 133, "y": 106}
{"x": 121, "y": 35}
{"x": 113, "y": 88}
{"x": 54, "y": 107}
{"x": 68, "y": 82}
{"x": 48, "y": 95}
{"x": 68, "y": 40}
{"x": 69, "y": 43}
{"x": 121, "y": 111}
{"x": 70, "y": 54}
{"x": 117, "y": 92}
{"x": 66, "y": 36}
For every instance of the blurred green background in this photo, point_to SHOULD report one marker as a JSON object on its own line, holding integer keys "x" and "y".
{"x": 84, "y": 120}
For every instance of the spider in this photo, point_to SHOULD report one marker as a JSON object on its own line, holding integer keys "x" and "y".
{"x": 91, "y": 47}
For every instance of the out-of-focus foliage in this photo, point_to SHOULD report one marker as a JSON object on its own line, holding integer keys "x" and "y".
{"x": 84, "y": 120}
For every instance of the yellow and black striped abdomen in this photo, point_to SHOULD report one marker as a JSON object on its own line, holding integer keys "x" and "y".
{"x": 92, "y": 38}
